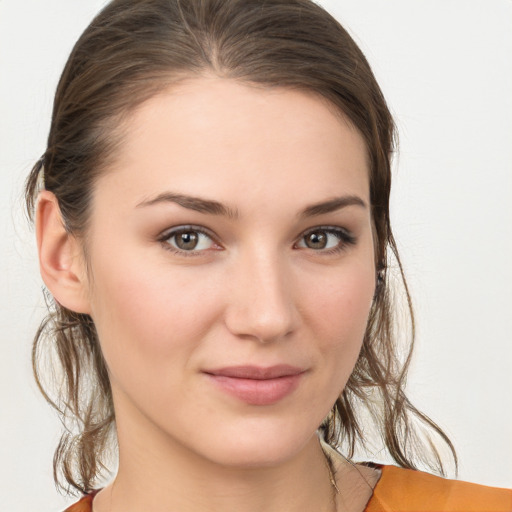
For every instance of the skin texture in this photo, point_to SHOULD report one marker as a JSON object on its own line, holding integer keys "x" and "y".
{"x": 252, "y": 292}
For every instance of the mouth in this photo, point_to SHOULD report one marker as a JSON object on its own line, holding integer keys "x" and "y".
{"x": 256, "y": 385}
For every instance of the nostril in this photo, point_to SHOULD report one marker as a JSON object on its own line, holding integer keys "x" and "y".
{"x": 261, "y": 319}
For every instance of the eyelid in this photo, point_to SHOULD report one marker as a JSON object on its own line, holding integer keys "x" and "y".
{"x": 170, "y": 232}
{"x": 345, "y": 236}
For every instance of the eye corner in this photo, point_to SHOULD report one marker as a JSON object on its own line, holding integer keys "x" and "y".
{"x": 343, "y": 238}
{"x": 198, "y": 242}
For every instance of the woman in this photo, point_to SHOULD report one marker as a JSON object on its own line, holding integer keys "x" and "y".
{"x": 213, "y": 225}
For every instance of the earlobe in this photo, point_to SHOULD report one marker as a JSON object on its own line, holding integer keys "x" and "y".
{"x": 60, "y": 262}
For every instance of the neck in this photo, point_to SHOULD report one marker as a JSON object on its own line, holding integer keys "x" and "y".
{"x": 182, "y": 483}
{"x": 157, "y": 474}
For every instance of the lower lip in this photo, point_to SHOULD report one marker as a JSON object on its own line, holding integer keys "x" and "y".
{"x": 258, "y": 392}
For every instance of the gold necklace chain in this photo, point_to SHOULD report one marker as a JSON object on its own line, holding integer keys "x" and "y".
{"x": 334, "y": 486}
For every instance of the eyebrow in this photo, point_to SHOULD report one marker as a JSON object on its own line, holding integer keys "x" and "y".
{"x": 332, "y": 205}
{"x": 192, "y": 203}
{"x": 212, "y": 207}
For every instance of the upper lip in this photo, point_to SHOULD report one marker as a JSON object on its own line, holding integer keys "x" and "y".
{"x": 256, "y": 372}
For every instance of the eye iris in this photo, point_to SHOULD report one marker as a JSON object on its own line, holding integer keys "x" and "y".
{"x": 187, "y": 240}
{"x": 316, "y": 240}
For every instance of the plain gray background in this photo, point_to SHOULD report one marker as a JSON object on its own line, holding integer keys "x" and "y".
{"x": 445, "y": 68}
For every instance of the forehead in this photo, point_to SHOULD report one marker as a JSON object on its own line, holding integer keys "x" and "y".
{"x": 222, "y": 137}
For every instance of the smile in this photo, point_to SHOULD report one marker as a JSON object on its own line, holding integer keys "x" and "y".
{"x": 255, "y": 385}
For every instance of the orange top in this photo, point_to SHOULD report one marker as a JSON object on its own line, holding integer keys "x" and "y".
{"x": 405, "y": 490}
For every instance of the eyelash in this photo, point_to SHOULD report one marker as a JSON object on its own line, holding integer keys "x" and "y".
{"x": 169, "y": 234}
{"x": 344, "y": 236}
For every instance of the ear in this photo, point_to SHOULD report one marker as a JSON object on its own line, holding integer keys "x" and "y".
{"x": 60, "y": 260}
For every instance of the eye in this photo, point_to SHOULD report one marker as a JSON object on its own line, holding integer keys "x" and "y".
{"x": 187, "y": 239}
{"x": 329, "y": 239}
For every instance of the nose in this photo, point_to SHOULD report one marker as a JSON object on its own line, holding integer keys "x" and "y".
{"x": 262, "y": 303}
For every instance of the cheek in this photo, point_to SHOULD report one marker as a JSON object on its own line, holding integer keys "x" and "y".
{"x": 148, "y": 316}
{"x": 343, "y": 303}
{"x": 338, "y": 313}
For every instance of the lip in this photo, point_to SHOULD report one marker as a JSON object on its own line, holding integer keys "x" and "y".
{"x": 256, "y": 385}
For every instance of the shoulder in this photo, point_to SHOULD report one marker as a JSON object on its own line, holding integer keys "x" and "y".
{"x": 406, "y": 490}
{"x": 84, "y": 505}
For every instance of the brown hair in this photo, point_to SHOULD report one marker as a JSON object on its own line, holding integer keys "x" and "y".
{"x": 132, "y": 50}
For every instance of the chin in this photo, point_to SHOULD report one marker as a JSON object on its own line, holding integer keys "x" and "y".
{"x": 258, "y": 445}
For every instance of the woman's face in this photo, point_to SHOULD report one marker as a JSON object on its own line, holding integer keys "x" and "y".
{"x": 231, "y": 269}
